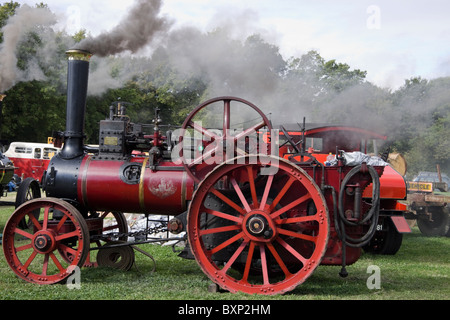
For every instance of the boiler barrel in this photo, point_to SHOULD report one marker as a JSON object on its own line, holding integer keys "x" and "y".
{"x": 133, "y": 187}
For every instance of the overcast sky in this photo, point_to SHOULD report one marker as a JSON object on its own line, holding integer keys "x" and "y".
{"x": 392, "y": 40}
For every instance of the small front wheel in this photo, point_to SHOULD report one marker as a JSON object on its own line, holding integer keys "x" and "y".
{"x": 37, "y": 253}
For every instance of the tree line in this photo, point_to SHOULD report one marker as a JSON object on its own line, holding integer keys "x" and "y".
{"x": 191, "y": 66}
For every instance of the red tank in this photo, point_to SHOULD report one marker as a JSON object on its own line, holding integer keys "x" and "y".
{"x": 132, "y": 186}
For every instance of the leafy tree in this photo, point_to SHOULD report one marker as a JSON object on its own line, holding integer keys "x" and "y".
{"x": 7, "y": 10}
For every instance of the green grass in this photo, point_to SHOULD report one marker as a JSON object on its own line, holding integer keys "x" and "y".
{"x": 419, "y": 271}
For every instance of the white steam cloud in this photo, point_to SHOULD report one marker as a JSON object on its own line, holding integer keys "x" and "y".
{"x": 26, "y": 19}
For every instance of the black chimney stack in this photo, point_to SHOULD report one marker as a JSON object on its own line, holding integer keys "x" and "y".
{"x": 77, "y": 83}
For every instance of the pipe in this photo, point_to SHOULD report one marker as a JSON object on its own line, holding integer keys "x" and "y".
{"x": 77, "y": 83}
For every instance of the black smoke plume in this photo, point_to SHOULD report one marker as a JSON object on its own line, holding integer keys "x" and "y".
{"x": 136, "y": 30}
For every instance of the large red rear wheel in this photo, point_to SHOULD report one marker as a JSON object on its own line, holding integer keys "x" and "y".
{"x": 257, "y": 233}
{"x": 38, "y": 254}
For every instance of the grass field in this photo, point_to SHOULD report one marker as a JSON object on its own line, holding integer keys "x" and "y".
{"x": 419, "y": 271}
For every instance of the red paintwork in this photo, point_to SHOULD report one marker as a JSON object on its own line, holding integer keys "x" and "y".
{"x": 392, "y": 184}
{"x": 33, "y": 168}
{"x": 32, "y": 162}
{"x": 158, "y": 192}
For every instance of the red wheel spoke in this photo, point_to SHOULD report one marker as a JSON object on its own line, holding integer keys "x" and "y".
{"x": 46, "y": 216}
{"x": 248, "y": 262}
{"x": 45, "y": 265}
{"x": 223, "y": 215}
{"x": 252, "y": 186}
{"x": 226, "y": 117}
{"x": 45, "y": 240}
{"x": 23, "y": 233}
{"x": 291, "y": 205}
{"x": 295, "y": 253}
{"x": 265, "y": 270}
{"x": 203, "y": 130}
{"x": 24, "y": 247}
{"x": 297, "y": 235}
{"x": 66, "y": 235}
{"x": 61, "y": 222}
{"x": 56, "y": 262}
{"x": 67, "y": 249}
{"x": 279, "y": 260}
{"x": 296, "y": 220}
{"x": 240, "y": 195}
{"x": 227, "y": 243}
{"x": 235, "y": 256}
{"x": 30, "y": 259}
{"x": 228, "y": 201}
{"x": 34, "y": 220}
{"x": 266, "y": 192}
{"x": 282, "y": 193}
{"x": 220, "y": 229}
{"x": 203, "y": 157}
{"x": 250, "y": 130}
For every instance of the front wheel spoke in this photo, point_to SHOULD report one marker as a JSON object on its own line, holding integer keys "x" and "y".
{"x": 67, "y": 249}
{"x": 30, "y": 259}
{"x": 56, "y": 262}
{"x": 46, "y": 216}
{"x": 23, "y": 233}
{"x": 61, "y": 222}
{"x": 45, "y": 265}
{"x": 24, "y": 247}
{"x": 34, "y": 221}
{"x": 227, "y": 243}
{"x": 67, "y": 235}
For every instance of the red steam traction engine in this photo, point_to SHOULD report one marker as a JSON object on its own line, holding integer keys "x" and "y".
{"x": 256, "y": 221}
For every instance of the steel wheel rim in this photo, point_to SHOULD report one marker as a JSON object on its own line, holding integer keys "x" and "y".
{"x": 273, "y": 251}
{"x": 32, "y": 253}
